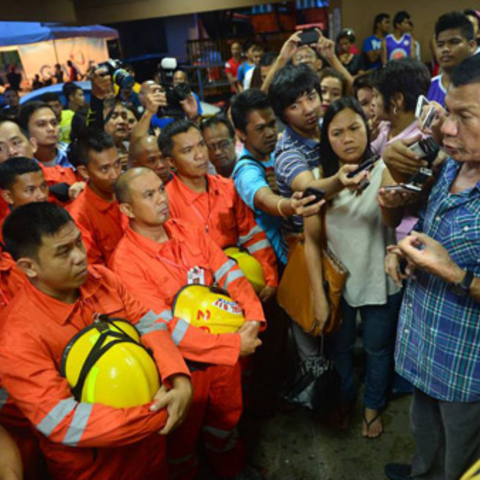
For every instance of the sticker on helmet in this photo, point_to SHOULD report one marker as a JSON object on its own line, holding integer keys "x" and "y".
{"x": 227, "y": 306}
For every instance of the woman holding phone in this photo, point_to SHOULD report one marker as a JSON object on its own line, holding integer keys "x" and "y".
{"x": 356, "y": 235}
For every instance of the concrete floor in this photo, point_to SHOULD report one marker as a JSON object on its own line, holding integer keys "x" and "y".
{"x": 295, "y": 446}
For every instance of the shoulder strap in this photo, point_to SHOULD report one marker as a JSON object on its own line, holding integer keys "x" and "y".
{"x": 248, "y": 160}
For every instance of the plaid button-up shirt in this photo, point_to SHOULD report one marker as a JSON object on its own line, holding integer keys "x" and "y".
{"x": 438, "y": 338}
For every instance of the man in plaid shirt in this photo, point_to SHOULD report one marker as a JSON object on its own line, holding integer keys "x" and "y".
{"x": 438, "y": 340}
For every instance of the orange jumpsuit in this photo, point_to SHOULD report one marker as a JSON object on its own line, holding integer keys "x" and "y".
{"x": 222, "y": 214}
{"x": 154, "y": 272}
{"x": 115, "y": 443}
{"x": 101, "y": 223}
{"x": 4, "y": 209}
{"x": 11, "y": 282}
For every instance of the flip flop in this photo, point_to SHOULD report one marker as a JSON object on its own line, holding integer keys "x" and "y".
{"x": 370, "y": 423}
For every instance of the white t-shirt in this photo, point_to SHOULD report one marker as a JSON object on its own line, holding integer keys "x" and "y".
{"x": 358, "y": 237}
{"x": 248, "y": 79}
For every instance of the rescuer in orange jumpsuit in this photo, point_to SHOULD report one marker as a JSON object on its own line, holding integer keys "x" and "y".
{"x": 156, "y": 258}
{"x": 62, "y": 297}
{"x": 95, "y": 210}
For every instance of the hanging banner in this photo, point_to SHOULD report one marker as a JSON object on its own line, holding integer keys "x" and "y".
{"x": 41, "y": 57}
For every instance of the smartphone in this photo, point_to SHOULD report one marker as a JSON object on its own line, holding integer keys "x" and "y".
{"x": 421, "y": 177}
{"x": 421, "y": 102}
{"x": 429, "y": 118}
{"x": 402, "y": 187}
{"x": 426, "y": 148}
{"x": 317, "y": 192}
{"x": 364, "y": 166}
{"x": 308, "y": 37}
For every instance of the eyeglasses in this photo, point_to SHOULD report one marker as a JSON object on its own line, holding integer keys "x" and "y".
{"x": 222, "y": 145}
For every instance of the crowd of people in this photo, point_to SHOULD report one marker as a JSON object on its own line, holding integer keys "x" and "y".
{"x": 127, "y": 209}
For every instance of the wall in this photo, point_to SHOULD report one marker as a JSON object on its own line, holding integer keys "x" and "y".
{"x": 108, "y": 11}
{"x": 39, "y": 11}
{"x": 359, "y": 16}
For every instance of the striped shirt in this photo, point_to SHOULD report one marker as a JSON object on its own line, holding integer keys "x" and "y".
{"x": 438, "y": 338}
{"x": 294, "y": 155}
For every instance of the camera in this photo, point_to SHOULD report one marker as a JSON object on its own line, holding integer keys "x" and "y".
{"x": 175, "y": 94}
{"x": 119, "y": 75}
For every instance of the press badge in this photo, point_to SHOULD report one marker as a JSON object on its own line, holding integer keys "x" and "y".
{"x": 196, "y": 276}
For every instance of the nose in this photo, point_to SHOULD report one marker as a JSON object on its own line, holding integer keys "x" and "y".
{"x": 449, "y": 128}
{"x": 80, "y": 254}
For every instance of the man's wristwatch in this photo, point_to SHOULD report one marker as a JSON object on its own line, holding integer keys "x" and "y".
{"x": 461, "y": 289}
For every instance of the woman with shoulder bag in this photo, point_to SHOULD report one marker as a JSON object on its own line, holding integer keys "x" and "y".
{"x": 357, "y": 237}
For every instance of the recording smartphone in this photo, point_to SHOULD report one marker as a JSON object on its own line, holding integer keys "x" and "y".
{"x": 402, "y": 187}
{"x": 317, "y": 192}
{"x": 429, "y": 118}
{"x": 426, "y": 148}
{"x": 421, "y": 102}
{"x": 421, "y": 176}
{"x": 364, "y": 166}
{"x": 308, "y": 37}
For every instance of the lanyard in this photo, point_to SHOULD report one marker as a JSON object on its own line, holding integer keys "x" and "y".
{"x": 203, "y": 220}
{"x": 184, "y": 266}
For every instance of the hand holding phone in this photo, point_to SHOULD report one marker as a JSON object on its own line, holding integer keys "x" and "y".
{"x": 318, "y": 193}
{"x": 364, "y": 166}
{"x": 421, "y": 102}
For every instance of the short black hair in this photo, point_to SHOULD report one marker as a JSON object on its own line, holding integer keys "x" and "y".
{"x": 290, "y": 83}
{"x": 379, "y": 19}
{"x": 457, "y": 21}
{"x": 249, "y": 43}
{"x": 69, "y": 88}
{"x": 362, "y": 81}
{"x": 407, "y": 76}
{"x": 165, "y": 140}
{"x": 14, "y": 167}
{"x": 328, "y": 158}
{"x": 25, "y": 227}
{"x": 329, "y": 72}
{"x": 27, "y": 110}
{"x": 97, "y": 141}
{"x": 467, "y": 72}
{"x": 400, "y": 17}
{"x": 218, "y": 119}
{"x": 50, "y": 97}
{"x": 343, "y": 35}
{"x": 246, "y": 102}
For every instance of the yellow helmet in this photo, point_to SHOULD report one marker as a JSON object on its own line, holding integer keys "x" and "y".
{"x": 106, "y": 363}
{"x": 208, "y": 308}
{"x": 249, "y": 265}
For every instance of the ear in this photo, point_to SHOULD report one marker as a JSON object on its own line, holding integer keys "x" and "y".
{"x": 472, "y": 46}
{"x": 241, "y": 135}
{"x": 28, "y": 267}
{"x": 170, "y": 161}
{"x": 398, "y": 100}
{"x": 34, "y": 144}
{"x": 126, "y": 209}
{"x": 82, "y": 170}
{"x": 7, "y": 196}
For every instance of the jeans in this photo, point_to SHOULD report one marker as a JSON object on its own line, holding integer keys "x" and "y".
{"x": 379, "y": 324}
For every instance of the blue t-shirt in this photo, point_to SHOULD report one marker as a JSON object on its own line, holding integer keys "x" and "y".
{"x": 249, "y": 177}
{"x": 162, "y": 122}
{"x": 369, "y": 44}
{"x": 242, "y": 70}
{"x": 437, "y": 91}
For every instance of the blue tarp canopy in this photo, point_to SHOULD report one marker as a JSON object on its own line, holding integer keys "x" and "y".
{"x": 21, "y": 33}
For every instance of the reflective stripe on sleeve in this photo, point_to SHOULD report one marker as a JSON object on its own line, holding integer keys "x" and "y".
{"x": 166, "y": 315}
{"x": 179, "y": 331}
{"x": 56, "y": 416}
{"x": 224, "y": 269}
{"x": 3, "y": 397}
{"x": 78, "y": 424}
{"x": 245, "y": 238}
{"x": 232, "y": 276}
{"x": 148, "y": 323}
{"x": 258, "y": 246}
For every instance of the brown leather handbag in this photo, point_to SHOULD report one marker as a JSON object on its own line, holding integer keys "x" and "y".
{"x": 295, "y": 294}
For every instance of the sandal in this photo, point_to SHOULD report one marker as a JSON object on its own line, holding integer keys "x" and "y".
{"x": 369, "y": 423}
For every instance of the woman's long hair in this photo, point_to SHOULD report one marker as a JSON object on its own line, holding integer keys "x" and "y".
{"x": 328, "y": 157}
